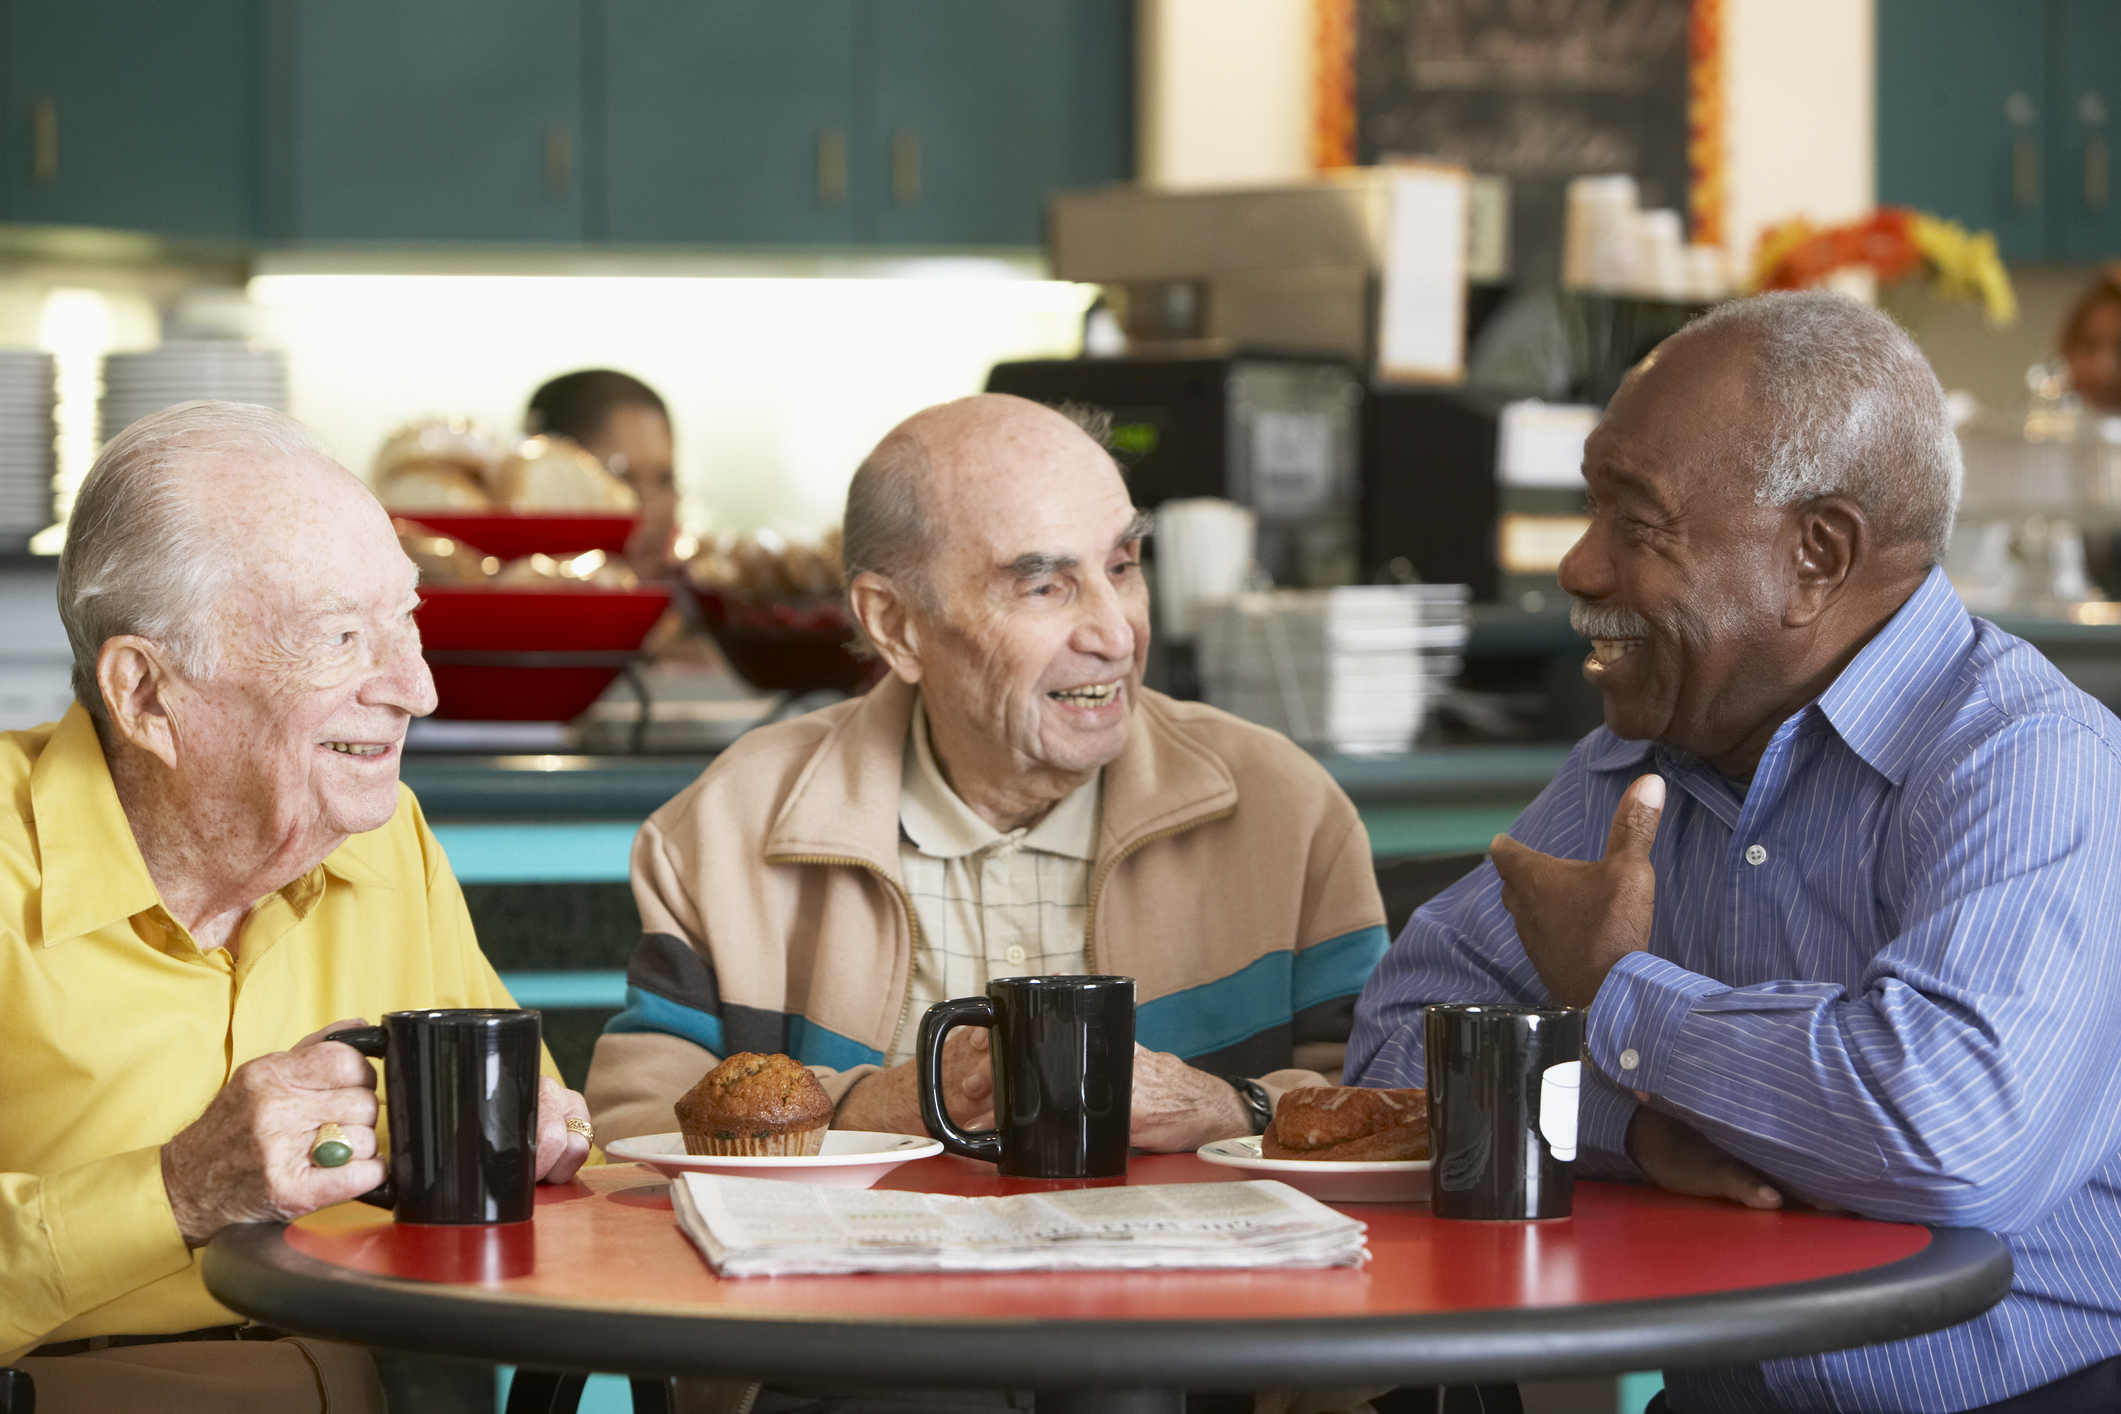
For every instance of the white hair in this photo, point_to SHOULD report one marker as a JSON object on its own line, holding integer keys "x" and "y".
{"x": 1849, "y": 406}
{"x": 139, "y": 558}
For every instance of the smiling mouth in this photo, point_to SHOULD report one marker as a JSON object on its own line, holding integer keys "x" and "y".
{"x": 1096, "y": 696}
{"x": 1608, "y": 651}
{"x": 358, "y": 748}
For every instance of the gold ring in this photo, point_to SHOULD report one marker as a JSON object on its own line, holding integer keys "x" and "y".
{"x": 581, "y": 1127}
{"x": 331, "y": 1149}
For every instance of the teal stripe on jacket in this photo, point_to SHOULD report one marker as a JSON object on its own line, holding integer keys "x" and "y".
{"x": 1267, "y": 993}
{"x": 808, "y": 1042}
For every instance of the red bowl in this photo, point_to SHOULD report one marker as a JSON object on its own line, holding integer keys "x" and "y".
{"x": 572, "y": 643}
{"x": 508, "y": 536}
{"x": 787, "y": 645}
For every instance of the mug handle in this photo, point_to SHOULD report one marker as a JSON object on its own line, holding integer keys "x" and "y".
{"x": 936, "y": 1025}
{"x": 370, "y": 1041}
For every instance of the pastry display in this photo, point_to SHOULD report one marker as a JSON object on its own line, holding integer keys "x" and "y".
{"x": 589, "y": 567}
{"x": 432, "y": 486}
{"x": 1344, "y": 1123}
{"x": 553, "y": 474}
{"x": 458, "y": 442}
{"x": 767, "y": 1106}
{"x": 441, "y": 559}
{"x": 767, "y": 565}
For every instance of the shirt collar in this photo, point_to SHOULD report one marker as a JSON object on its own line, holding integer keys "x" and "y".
{"x": 942, "y": 826}
{"x": 1884, "y": 699}
{"x": 93, "y": 874}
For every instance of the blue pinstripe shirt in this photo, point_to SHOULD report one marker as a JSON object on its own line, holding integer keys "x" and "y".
{"x": 1887, "y": 974}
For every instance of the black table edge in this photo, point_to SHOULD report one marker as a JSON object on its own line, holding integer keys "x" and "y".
{"x": 1961, "y": 1273}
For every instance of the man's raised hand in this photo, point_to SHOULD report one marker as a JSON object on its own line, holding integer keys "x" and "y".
{"x": 1576, "y": 917}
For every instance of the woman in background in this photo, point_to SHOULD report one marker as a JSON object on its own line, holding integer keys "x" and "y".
{"x": 622, "y": 422}
{"x": 2091, "y": 343}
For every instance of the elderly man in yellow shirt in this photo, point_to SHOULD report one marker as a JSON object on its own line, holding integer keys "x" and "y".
{"x": 209, "y": 863}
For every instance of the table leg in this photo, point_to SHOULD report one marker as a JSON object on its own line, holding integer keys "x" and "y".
{"x": 1110, "y": 1401}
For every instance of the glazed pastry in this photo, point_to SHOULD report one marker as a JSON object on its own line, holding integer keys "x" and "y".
{"x": 1340, "y": 1123}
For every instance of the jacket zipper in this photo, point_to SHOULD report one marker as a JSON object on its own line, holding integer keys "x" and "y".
{"x": 913, "y": 925}
{"x": 1097, "y": 885}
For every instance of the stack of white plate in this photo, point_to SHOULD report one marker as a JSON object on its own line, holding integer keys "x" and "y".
{"x": 136, "y": 384}
{"x": 1353, "y": 669}
{"x": 26, "y": 454}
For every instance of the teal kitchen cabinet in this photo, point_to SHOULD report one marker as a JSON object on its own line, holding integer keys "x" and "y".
{"x": 137, "y": 114}
{"x": 2086, "y": 112}
{"x": 734, "y": 121}
{"x": 423, "y": 120}
{"x": 889, "y": 122}
{"x": 1962, "y": 98}
{"x": 1996, "y": 113}
{"x": 984, "y": 108}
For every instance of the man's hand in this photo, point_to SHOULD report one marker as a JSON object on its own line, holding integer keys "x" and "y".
{"x": 888, "y": 1102}
{"x": 1177, "y": 1108}
{"x": 1577, "y": 917}
{"x": 247, "y": 1158}
{"x": 560, "y": 1150}
{"x": 1674, "y": 1156}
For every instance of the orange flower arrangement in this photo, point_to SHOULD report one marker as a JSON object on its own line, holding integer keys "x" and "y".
{"x": 1896, "y": 243}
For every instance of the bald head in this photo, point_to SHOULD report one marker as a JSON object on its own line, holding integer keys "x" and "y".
{"x": 1845, "y": 404}
{"x": 193, "y": 521}
{"x": 944, "y": 464}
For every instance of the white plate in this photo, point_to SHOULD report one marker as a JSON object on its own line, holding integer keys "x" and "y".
{"x": 1375, "y": 1181}
{"x": 852, "y": 1158}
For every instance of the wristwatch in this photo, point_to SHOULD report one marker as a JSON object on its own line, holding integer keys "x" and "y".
{"x": 1253, "y": 1096}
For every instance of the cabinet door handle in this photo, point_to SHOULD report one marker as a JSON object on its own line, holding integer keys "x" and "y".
{"x": 559, "y": 161}
{"x": 44, "y": 142}
{"x": 2020, "y": 112}
{"x": 831, "y": 166}
{"x": 2025, "y": 172}
{"x": 906, "y": 168}
{"x": 2091, "y": 111}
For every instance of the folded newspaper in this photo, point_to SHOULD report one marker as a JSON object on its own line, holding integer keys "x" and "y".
{"x": 756, "y": 1227}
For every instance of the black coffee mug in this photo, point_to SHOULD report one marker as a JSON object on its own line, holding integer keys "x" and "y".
{"x": 462, "y": 1093}
{"x": 1063, "y": 1058}
{"x": 1503, "y": 1084}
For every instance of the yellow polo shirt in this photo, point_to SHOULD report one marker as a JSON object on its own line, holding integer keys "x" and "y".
{"x": 116, "y": 1030}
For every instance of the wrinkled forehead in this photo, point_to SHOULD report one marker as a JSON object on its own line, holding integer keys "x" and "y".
{"x": 1684, "y": 421}
{"x": 301, "y": 533}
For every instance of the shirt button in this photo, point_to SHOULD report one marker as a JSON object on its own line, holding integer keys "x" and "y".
{"x": 1015, "y": 955}
{"x": 1756, "y": 854}
{"x": 1629, "y": 1059}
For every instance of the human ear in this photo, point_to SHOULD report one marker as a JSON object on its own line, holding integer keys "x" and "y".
{"x": 133, "y": 678}
{"x": 1831, "y": 538}
{"x": 884, "y": 615}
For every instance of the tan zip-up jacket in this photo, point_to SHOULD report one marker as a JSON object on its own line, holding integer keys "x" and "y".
{"x": 1233, "y": 881}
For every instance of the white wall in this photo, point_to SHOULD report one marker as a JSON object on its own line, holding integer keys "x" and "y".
{"x": 1800, "y": 114}
{"x": 1224, "y": 92}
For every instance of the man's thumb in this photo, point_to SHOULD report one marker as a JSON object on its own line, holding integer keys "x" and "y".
{"x": 1635, "y": 821}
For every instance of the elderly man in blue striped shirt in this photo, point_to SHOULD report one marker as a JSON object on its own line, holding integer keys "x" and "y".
{"x": 1840, "y": 878}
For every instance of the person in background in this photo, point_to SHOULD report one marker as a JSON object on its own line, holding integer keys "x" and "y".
{"x": 622, "y": 422}
{"x": 1839, "y": 880}
{"x": 2091, "y": 343}
{"x": 210, "y": 863}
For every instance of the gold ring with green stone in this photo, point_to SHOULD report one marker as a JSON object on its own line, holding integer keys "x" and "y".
{"x": 331, "y": 1149}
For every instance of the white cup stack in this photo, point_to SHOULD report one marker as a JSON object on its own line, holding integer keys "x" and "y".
{"x": 182, "y": 370}
{"x": 26, "y": 446}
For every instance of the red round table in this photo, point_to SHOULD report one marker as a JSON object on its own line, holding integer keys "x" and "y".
{"x": 1637, "y": 1279}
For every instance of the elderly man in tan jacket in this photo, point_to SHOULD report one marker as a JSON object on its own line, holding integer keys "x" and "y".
{"x": 1009, "y": 801}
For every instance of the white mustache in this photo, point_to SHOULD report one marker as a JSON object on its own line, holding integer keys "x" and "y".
{"x": 1594, "y": 620}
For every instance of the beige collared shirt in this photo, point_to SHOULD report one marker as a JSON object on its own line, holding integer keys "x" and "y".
{"x": 988, "y": 904}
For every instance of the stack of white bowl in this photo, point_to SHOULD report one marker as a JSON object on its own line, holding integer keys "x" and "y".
{"x": 136, "y": 384}
{"x": 26, "y": 446}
